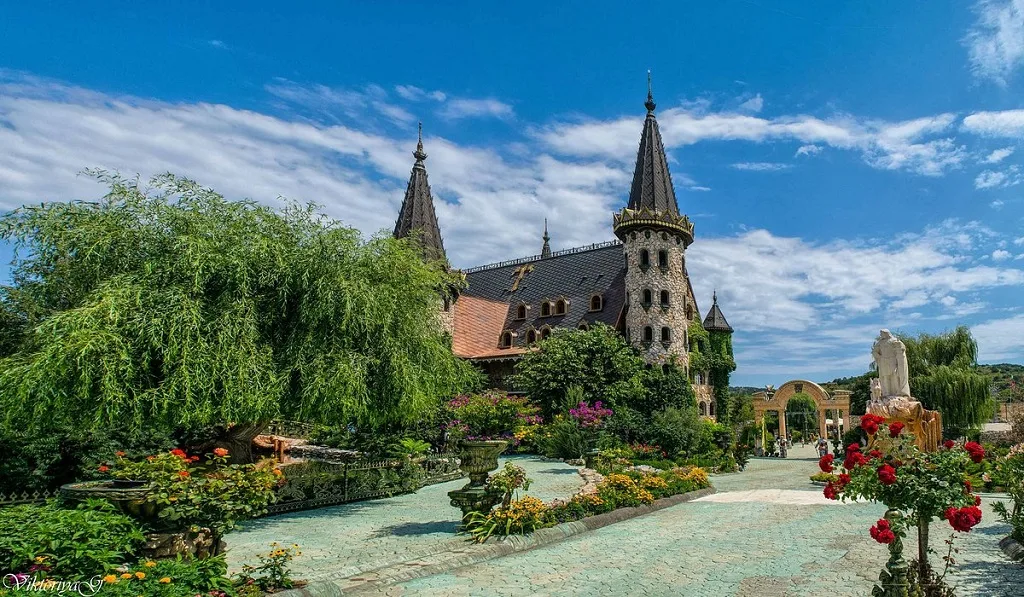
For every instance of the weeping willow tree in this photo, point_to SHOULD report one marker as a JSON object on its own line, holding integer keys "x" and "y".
{"x": 167, "y": 304}
{"x": 944, "y": 377}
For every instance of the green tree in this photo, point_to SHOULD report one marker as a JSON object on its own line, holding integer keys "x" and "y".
{"x": 944, "y": 377}
{"x": 168, "y": 304}
{"x": 597, "y": 360}
{"x": 801, "y": 413}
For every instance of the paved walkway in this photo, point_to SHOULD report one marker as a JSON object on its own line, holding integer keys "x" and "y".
{"x": 351, "y": 539}
{"x": 767, "y": 533}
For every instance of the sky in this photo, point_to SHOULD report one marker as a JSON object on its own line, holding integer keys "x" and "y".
{"x": 848, "y": 166}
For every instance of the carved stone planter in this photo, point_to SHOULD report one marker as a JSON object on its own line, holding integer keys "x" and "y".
{"x": 129, "y": 500}
{"x": 478, "y": 458}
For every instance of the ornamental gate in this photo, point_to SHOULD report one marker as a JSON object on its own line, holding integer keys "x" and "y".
{"x": 768, "y": 400}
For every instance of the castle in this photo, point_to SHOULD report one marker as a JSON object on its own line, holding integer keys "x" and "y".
{"x": 637, "y": 284}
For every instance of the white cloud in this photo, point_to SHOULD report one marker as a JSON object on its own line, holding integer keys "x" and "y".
{"x": 1000, "y": 340}
{"x": 1005, "y": 123}
{"x": 415, "y": 94}
{"x": 990, "y": 179}
{"x": 807, "y": 150}
{"x": 754, "y": 104}
{"x": 1019, "y": 241}
{"x": 997, "y": 204}
{"x": 697, "y": 188}
{"x": 995, "y": 44}
{"x": 998, "y": 155}
{"x": 476, "y": 108}
{"x": 220, "y": 45}
{"x": 1001, "y": 255}
{"x": 761, "y": 166}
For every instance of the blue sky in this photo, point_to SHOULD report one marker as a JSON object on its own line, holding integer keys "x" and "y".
{"x": 847, "y": 168}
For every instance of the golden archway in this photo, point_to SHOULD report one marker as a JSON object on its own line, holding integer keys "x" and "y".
{"x": 766, "y": 400}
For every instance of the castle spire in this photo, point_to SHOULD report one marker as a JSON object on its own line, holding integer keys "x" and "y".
{"x": 652, "y": 182}
{"x": 715, "y": 320}
{"x": 546, "y": 249}
{"x": 417, "y": 217}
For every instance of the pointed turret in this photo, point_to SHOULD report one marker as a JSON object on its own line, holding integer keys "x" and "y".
{"x": 417, "y": 217}
{"x": 715, "y": 321}
{"x": 545, "y": 251}
{"x": 652, "y": 198}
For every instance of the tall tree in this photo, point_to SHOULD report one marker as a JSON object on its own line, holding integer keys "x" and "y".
{"x": 944, "y": 377}
{"x": 170, "y": 304}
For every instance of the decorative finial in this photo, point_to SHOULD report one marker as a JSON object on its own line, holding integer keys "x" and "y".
{"x": 419, "y": 154}
{"x": 546, "y": 229}
{"x": 714, "y": 297}
{"x": 649, "y": 104}
{"x": 545, "y": 251}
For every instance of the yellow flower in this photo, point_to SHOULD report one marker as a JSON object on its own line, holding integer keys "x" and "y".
{"x": 149, "y": 564}
{"x": 110, "y": 579}
{"x": 126, "y": 575}
{"x": 140, "y": 575}
{"x": 166, "y": 580}
{"x": 40, "y": 559}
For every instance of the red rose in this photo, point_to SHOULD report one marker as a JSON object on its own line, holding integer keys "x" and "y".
{"x": 967, "y": 485}
{"x": 977, "y": 500}
{"x": 831, "y": 492}
{"x": 963, "y": 519}
{"x": 886, "y": 474}
{"x": 825, "y": 464}
{"x": 875, "y": 454}
{"x": 869, "y": 423}
{"x": 844, "y": 480}
{"x": 882, "y": 532}
{"x": 179, "y": 453}
{"x": 975, "y": 450}
{"x": 852, "y": 448}
{"x": 853, "y": 460}
{"x": 948, "y": 444}
{"x": 895, "y": 428}
{"x": 220, "y": 452}
{"x": 183, "y": 474}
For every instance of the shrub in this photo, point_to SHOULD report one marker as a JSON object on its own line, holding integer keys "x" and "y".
{"x": 69, "y": 544}
{"x": 564, "y": 438}
{"x": 491, "y": 415}
{"x": 273, "y": 572}
{"x": 628, "y": 425}
{"x": 409, "y": 447}
{"x": 680, "y": 430}
{"x": 1011, "y": 468}
{"x": 824, "y": 478}
{"x": 509, "y": 480}
{"x": 517, "y": 518}
{"x": 182, "y": 577}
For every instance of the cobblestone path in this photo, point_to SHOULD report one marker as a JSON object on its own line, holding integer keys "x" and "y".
{"x": 768, "y": 533}
{"x": 350, "y": 539}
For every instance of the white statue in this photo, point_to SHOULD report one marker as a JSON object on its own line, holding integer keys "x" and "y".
{"x": 890, "y": 356}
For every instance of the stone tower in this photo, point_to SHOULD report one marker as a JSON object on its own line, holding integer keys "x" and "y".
{"x": 655, "y": 236}
{"x": 418, "y": 220}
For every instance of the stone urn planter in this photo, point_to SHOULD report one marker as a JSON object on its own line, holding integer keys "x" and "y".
{"x": 478, "y": 458}
{"x": 129, "y": 497}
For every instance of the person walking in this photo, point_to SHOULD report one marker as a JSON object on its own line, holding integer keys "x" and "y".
{"x": 822, "y": 446}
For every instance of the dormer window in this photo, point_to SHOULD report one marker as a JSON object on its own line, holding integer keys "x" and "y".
{"x": 596, "y": 302}
{"x": 545, "y": 309}
{"x": 561, "y": 306}
{"x": 545, "y": 333}
{"x": 647, "y": 298}
{"x": 531, "y": 336}
{"x": 663, "y": 259}
{"x": 506, "y": 340}
{"x": 521, "y": 312}
{"x": 664, "y": 299}
{"x": 584, "y": 326}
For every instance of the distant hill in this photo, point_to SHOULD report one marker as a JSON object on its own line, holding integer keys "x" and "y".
{"x": 1001, "y": 376}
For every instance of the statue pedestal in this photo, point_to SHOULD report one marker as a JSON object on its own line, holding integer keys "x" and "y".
{"x": 926, "y": 425}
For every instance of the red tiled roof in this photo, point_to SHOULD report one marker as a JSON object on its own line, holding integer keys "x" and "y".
{"x": 478, "y": 327}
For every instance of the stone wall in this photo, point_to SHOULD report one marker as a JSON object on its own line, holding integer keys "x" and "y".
{"x": 671, "y": 278}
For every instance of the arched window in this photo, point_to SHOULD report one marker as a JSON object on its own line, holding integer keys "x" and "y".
{"x": 521, "y": 311}
{"x": 545, "y": 309}
{"x": 664, "y": 298}
{"x": 703, "y": 409}
{"x": 506, "y": 339}
{"x": 666, "y": 334}
{"x": 711, "y": 409}
{"x": 584, "y": 326}
{"x": 531, "y": 336}
{"x": 596, "y": 302}
{"x": 645, "y": 258}
{"x": 561, "y": 306}
{"x": 648, "y": 333}
{"x": 647, "y": 298}
{"x": 663, "y": 259}
{"x": 545, "y": 333}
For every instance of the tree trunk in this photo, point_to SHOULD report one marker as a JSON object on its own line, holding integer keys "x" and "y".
{"x": 922, "y": 549}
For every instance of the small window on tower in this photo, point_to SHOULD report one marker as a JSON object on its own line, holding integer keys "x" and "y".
{"x": 711, "y": 409}
{"x": 521, "y": 311}
{"x": 506, "y": 340}
{"x": 648, "y": 334}
{"x": 645, "y": 259}
{"x": 663, "y": 259}
{"x": 703, "y": 409}
{"x": 647, "y": 298}
{"x": 666, "y": 334}
{"x": 664, "y": 298}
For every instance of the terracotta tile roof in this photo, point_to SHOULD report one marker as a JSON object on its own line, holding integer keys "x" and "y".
{"x": 478, "y": 326}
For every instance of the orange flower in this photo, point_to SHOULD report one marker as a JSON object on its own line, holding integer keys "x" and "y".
{"x": 179, "y": 453}
{"x": 151, "y": 458}
{"x": 140, "y": 575}
{"x": 183, "y": 474}
{"x": 126, "y": 575}
{"x": 166, "y": 580}
{"x": 149, "y": 564}
{"x": 193, "y": 459}
{"x": 104, "y": 468}
{"x": 220, "y": 452}
{"x": 119, "y": 454}
{"x": 278, "y": 472}
{"x": 110, "y": 579}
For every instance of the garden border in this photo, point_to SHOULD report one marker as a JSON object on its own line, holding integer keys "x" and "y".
{"x": 1012, "y": 549}
{"x": 447, "y": 560}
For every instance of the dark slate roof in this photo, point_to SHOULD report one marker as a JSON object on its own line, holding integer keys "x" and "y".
{"x": 715, "y": 321}
{"x": 574, "y": 274}
{"x": 417, "y": 217}
{"x": 652, "y": 182}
